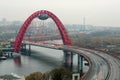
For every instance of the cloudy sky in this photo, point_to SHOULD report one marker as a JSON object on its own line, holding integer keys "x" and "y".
{"x": 96, "y": 12}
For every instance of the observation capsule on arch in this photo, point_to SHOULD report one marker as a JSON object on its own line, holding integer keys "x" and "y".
{"x": 43, "y": 16}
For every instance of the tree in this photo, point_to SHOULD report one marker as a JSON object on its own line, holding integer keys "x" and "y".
{"x": 35, "y": 76}
{"x": 60, "y": 74}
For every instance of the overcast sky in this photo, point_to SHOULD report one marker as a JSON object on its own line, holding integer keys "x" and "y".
{"x": 96, "y": 12}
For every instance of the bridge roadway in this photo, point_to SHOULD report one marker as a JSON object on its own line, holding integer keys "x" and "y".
{"x": 114, "y": 64}
{"x": 102, "y": 66}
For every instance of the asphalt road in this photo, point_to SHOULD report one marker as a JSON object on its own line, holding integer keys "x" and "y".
{"x": 100, "y": 67}
{"x": 104, "y": 66}
{"x": 113, "y": 64}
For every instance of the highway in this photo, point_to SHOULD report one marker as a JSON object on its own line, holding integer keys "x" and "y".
{"x": 114, "y": 65}
{"x": 102, "y": 65}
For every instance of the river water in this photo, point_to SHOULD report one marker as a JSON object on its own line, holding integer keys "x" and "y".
{"x": 41, "y": 59}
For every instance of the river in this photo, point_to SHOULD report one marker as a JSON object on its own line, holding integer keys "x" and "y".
{"x": 41, "y": 59}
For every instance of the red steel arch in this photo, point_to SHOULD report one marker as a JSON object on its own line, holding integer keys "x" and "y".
{"x": 22, "y": 31}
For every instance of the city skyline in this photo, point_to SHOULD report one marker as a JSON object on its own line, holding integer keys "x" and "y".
{"x": 103, "y": 12}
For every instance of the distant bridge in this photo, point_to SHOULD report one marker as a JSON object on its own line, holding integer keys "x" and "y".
{"x": 7, "y": 49}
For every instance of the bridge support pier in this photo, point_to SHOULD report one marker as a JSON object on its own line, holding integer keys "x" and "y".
{"x": 24, "y": 49}
{"x": 9, "y": 54}
{"x": 71, "y": 65}
{"x": 80, "y": 64}
{"x": 11, "y": 44}
{"x": 68, "y": 59}
{"x": 29, "y": 50}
